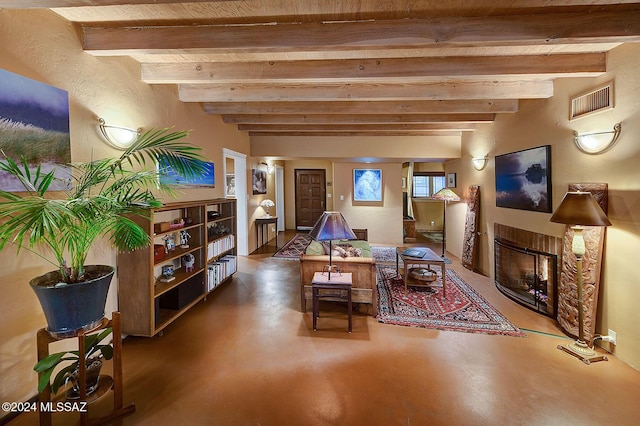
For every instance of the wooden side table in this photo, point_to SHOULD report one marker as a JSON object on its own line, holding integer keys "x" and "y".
{"x": 338, "y": 287}
{"x": 261, "y": 222}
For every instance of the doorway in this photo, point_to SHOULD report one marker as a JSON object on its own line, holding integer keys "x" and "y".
{"x": 310, "y": 193}
{"x": 235, "y": 164}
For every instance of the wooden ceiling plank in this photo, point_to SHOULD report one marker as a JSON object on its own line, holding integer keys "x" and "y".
{"x": 383, "y": 70}
{"x": 368, "y": 127}
{"x": 532, "y": 29}
{"x": 421, "y": 52}
{"x": 47, "y": 4}
{"x": 355, "y": 119}
{"x": 358, "y": 133}
{"x": 365, "y": 107}
{"x": 445, "y": 90}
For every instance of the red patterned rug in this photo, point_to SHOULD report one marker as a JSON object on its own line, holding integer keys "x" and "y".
{"x": 463, "y": 309}
{"x": 294, "y": 248}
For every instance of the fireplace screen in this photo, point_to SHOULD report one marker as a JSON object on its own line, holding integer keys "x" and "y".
{"x": 527, "y": 276}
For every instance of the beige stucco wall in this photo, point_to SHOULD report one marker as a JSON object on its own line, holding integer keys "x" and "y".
{"x": 542, "y": 122}
{"x": 254, "y": 211}
{"x": 360, "y": 148}
{"x": 98, "y": 87}
{"x": 383, "y": 220}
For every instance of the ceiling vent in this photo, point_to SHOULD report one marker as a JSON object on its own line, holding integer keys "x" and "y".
{"x": 600, "y": 99}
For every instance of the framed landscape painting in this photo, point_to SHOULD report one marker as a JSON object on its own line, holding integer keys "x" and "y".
{"x": 367, "y": 185}
{"x": 523, "y": 179}
{"x": 169, "y": 177}
{"x": 34, "y": 124}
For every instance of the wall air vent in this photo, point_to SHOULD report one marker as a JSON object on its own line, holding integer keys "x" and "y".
{"x": 596, "y": 100}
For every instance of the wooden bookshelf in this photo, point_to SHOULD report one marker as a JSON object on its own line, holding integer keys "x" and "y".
{"x": 148, "y": 304}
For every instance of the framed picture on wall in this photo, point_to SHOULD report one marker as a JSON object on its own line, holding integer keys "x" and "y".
{"x": 34, "y": 123}
{"x": 451, "y": 180}
{"x": 259, "y": 181}
{"x": 367, "y": 185}
{"x": 230, "y": 188}
{"x": 523, "y": 179}
{"x": 169, "y": 177}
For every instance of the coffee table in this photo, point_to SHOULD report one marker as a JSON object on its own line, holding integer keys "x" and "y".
{"x": 430, "y": 258}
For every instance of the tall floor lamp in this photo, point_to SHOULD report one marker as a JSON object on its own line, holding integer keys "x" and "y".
{"x": 446, "y": 195}
{"x": 331, "y": 226}
{"x": 580, "y": 209}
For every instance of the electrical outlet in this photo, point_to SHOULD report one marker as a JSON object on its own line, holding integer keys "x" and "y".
{"x": 613, "y": 338}
{"x": 433, "y": 223}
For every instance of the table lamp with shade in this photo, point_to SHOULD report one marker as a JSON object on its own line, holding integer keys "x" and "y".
{"x": 266, "y": 204}
{"x": 331, "y": 226}
{"x": 579, "y": 209}
{"x": 446, "y": 195}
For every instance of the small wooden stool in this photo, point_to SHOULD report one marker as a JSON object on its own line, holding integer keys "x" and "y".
{"x": 340, "y": 283}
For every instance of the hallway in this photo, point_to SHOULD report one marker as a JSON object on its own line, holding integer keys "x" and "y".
{"x": 247, "y": 356}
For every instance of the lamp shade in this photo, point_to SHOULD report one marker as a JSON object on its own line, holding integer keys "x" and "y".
{"x": 446, "y": 194}
{"x": 267, "y": 203}
{"x": 332, "y": 226}
{"x": 580, "y": 208}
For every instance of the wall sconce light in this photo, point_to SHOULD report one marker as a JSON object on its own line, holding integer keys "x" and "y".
{"x": 118, "y": 136}
{"x": 479, "y": 163}
{"x": 269, "y": 168}
{"x": 597, "y": 142}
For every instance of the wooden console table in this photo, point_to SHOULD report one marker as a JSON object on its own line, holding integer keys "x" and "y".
{"x": 260, "y": 224}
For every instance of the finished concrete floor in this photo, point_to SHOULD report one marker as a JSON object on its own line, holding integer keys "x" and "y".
{"x": 248, "y": 356}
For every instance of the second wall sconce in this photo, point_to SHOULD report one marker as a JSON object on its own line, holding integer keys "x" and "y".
{"x": 597, "y": 142}
{"x": 269, "y": 168}
{"x": 118, "y": 136}
{"x": 479, "y": 163}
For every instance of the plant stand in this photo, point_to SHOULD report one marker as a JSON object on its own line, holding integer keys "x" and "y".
{"x": 106, "y": 383}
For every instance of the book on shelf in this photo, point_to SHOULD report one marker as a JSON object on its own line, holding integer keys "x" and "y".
{"x": 219, "y": 270}
{"x": 215, "y": 248}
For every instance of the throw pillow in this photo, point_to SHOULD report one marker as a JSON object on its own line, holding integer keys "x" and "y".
{"x": 354, "y": 252}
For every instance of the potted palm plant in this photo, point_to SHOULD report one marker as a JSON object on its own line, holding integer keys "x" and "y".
{"x": 103, "y": 195}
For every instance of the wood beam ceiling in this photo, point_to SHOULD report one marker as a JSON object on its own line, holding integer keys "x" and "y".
{"x": 387, "y": 70}
{"x": 534, "y": 29}
{"x": 365, "y": 107}
{"x": 355, "y": 67}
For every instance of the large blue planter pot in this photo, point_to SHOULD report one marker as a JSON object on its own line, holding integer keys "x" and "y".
{"x": 70, "y": 308}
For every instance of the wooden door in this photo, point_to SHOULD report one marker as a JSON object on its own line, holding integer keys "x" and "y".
{"x": 310, "y": 196}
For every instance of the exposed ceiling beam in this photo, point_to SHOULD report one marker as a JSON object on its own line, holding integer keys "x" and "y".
{"x": 450, "y": 90}
{"x": 434, "y": 127}
{"x": 533, "y": 29}
{"x": 365, "y": 107}
{"x": 382, "y": 70}
{"x": 355, "y": 119}
{"x": 357, "y": 133}
{"x": 45, "y": 4}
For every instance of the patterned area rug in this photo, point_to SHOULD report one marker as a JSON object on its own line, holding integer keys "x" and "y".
{"x": 462, "y": 310}
{"x": 384, "y": 254}
{"x": 294, "y": 248}
{"x": 436, "y": 237}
